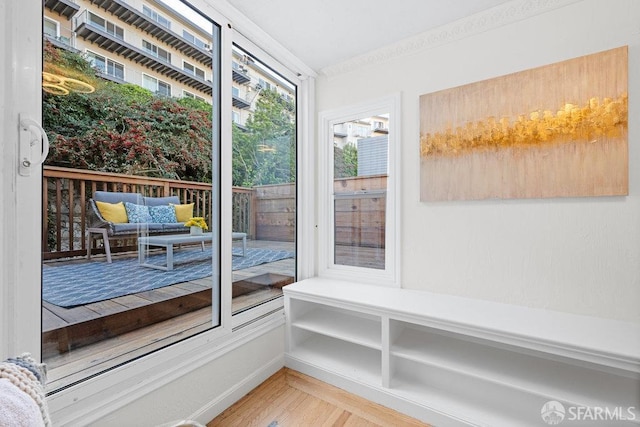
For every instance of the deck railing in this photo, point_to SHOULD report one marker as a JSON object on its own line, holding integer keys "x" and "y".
{"x": 68, "y": 191}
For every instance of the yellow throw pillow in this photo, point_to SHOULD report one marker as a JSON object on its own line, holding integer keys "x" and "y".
{"x": 113, "y": 212}
{"x": 184, "y": 212}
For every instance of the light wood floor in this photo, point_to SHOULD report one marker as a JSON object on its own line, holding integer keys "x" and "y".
{"x": 292, "y": 399}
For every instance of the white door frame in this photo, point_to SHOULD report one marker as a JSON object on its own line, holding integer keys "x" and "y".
{"x": 21, "y": 207}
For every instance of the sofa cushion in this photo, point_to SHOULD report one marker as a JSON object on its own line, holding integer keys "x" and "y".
{"x": 115, "y": 197}
{"x": 134, "y": 228}
{"x": 112, "y": 212}
{"x": 137, "y": 213}
{"x": 159, "y": 201}
{"x": 176, "y": 227}
{"x": 163, "y": 214}
{"x": 184, "y": 212}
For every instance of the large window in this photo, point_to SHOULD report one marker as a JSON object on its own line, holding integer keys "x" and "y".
{"x": 124, "y": 273}
{"x": 156, "y": 51}
{"x": 156, "y": 86}
{"x": 108, "y": 26}
{"x": 264, "y": 183}
{"x": 195, "y": 40}
{"x": 360, "y": 186}
{"x": 106, "y": 65}
{"x": 159, "y": 18}
{"x": 192, "y": 69}
{"x": 51, "y": 28}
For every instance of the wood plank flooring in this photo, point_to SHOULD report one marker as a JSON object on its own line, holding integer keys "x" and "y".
{"x": 293, "y": 399}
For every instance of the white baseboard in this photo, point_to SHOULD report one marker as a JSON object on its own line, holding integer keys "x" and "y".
{"x": 231, "y": 396}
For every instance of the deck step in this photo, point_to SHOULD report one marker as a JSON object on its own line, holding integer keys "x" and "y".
{"x": 61, "y": 339}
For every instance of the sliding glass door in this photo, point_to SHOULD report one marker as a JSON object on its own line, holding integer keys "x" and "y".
{"x": 264, "y": 208}
{"x": 131, "y": 193}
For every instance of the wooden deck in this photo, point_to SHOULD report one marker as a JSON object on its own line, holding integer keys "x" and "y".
{"x": 81, "y": 341}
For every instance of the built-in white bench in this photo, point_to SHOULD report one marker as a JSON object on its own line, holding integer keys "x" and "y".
{"x": 457, "y": 361}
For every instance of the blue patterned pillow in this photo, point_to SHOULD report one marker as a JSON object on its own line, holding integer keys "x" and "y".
{"x": 137, "y": 213}
{"x": 163, "y": 214}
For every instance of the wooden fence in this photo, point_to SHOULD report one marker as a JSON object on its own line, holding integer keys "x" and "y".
{"x": 359, "y": 211}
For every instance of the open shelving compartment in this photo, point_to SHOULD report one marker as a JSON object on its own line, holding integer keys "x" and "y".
{"x": 454, "y": 361}
{"x": 489, "y": 377}
{"x": 346, "y": 342}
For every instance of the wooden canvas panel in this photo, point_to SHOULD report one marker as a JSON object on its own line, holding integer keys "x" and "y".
{"x": 555, "y": 131}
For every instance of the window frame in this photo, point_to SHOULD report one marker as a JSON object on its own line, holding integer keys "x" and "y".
{"x": 195, "y": 40}
{"x": 195, "y": 69}
{"x": 53, "y": 21}
{"x": 390, "y": 275}
{"x": 155, "y": 51}
{"x": 105, "y": 27}
{"x": 302, "y": 221}
{"x": 154, "y": 15}
{"x": 187, "y": 94}
{"x": 107, "y": 60}
{"x": 158, "y": 81}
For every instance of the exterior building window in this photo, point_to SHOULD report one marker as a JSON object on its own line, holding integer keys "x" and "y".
{"x": 156, "y": 86}
{"x": 265, "y": 84}
{"x": 235, "y": 92}
{"x": 235, "y": 117}
{"x": 156, "y": 16}
{"x": 51, "y": 28}
{"x": 187, "y": 94}
{"x": 193, "y": 70}
{"x": 195, "y": 40}
{"x": 109, "y": 27}
{"x": 156, "y": 51}
{"x": 106, "y": 65}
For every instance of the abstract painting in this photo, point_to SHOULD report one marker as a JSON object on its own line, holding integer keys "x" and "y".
{"x": 559, "y": 130}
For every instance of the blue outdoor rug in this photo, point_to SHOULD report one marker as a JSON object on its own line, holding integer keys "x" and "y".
{"x": 77, "y": 284}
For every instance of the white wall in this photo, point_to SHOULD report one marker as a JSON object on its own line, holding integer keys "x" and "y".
{"x": 578, "y": 255}
{"x": 216, "y": 385}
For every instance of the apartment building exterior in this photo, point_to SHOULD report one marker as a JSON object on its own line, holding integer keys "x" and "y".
{"x": 370, "y": 137}
{"x": 250, "y": 77}
{"x": 350, "y": 132}
{"x": 150, "y": 44}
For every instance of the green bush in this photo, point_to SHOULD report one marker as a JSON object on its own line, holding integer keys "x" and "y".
{"x": 124, "y": 128}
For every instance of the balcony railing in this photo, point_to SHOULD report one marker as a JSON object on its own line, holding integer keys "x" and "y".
{"x": 97, "y": 35}
{"x": 131, "y": 16}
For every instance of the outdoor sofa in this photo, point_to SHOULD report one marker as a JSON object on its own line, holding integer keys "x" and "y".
{"x": 157, "y": 220}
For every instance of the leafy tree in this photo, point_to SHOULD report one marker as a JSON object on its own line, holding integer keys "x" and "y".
{"x": 125, "y": 128}
{"x": 345, "y": 161}
{"x": 265, "y": 152}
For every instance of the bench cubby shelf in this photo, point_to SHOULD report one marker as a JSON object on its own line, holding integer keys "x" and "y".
{"x": 455, "y": 361}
